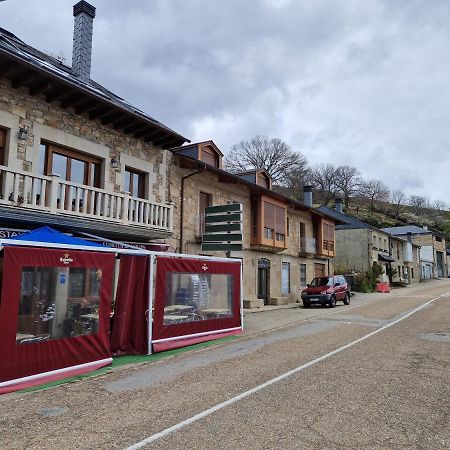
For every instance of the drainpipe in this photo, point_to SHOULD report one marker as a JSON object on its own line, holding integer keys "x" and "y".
{"x": 182, "y": 203}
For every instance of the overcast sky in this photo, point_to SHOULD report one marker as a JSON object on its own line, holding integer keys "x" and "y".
{"x": 363, "y": 83}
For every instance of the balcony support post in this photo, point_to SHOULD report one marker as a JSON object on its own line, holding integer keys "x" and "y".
{"x": 53, "y": 193}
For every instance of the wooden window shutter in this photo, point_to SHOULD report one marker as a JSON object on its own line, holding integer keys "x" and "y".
{"x": 269, "y": 215}
{"x": 280, "y": 220}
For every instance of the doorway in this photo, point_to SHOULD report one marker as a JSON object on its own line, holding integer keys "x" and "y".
{"x": 319, "y": 270}
{"x": 264, "y": 280}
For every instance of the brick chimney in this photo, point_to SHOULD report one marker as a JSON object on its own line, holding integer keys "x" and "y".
{"x": 84, "y": 14}
{"x": 307, "y": 196}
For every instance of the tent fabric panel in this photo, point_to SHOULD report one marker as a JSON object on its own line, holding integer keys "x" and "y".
{"x": 185, "y": 341}
{"x": 32, "y": 358}
{"x": 165, "y": 266}
{"x": 129, "y": 335}
{"x": 48, "y": 377}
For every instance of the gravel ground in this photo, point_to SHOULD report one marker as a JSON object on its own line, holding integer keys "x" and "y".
{"x": 390, "y": 391}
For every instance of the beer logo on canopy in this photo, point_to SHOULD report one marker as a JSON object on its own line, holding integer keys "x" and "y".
{"x": 205, "y": 267}
{"x": 66, "y": 259}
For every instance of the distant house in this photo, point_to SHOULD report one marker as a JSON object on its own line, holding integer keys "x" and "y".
{"x": 359, "y": 245}
{"x": 433, "y": 260}
{"x": 286, "y": 242}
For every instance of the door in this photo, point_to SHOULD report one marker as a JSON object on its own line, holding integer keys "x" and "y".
{"x": 319, "y": 270}
{"x": 285, "y": 279}
{"x": 71, "y": 166}
{"x": 2, "y": 160}
{"x": 264, "y": 280}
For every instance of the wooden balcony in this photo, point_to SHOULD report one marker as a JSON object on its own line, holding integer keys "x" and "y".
{"x": 50, "y": 194}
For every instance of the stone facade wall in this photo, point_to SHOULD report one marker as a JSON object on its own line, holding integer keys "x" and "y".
{"x": 353, "y": 249}
{"x": 222, "y": 194}
{"x": 49, "y": 122}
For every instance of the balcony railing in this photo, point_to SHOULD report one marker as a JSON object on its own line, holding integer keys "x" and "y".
{"x": 56, "y": 196}
{"x": 308, "y": 245}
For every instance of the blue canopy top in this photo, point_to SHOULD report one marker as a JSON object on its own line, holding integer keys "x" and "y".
{"x": 50, "y": 236}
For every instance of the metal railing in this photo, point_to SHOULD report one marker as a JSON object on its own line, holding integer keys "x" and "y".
{"x": 308, "y": 245}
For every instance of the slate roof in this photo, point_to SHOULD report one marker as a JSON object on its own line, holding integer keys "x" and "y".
{"x": 348, "y": 222}
{"x": 44, "y": 74}
{"x": 414, "y": 229}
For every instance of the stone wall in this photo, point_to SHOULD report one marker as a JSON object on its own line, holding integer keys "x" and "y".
{"x": 49, "y": 122}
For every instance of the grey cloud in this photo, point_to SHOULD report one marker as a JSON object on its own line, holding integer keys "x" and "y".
{"x": 360, "y": 82}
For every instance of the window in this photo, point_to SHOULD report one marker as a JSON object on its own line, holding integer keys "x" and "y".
{"x": 303, "y": 275}
{"x": 399, "y": 272}
{"x": 380, "y": 245}
{"x": 412, "y": 272}
{"x": 328, "y": 238}
{"x": 58, "y": 302}
{"x": 385, "y": 247}
{"x": 262, "y": 180}
{"x": 274, "y": 222}
{"x": 209, "y": 156}
{"x": 135, "y": 182}
{"x": 374, "y": 239}
{"x": 193, "y": 297}
{"x": 398, "y": 250}
{"x": 204, "y": 200}
{"x": 70, "y": 165}
{"x": 285, "y": 278}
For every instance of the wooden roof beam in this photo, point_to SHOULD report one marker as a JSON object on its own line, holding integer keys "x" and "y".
{"x": 70, "y": 100}
{"x": 20, "y": 79}
{"x": 55, "y": 94}
{"x": 39, "y": 86}
{"x": 100, "y": 111}
{"x": 86, "y": 106}
{"x": 111, "y": 118}
{"x": 124, "y": 123}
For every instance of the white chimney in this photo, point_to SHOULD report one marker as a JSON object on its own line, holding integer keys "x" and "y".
{"x": 84, "y": 14}
{"x": 338, "y": 207}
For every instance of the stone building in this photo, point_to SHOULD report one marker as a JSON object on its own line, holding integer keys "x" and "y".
{"x": 433, "y": 260}
{"x": 285, "y": 242}
{"x": 74, "y": 155}
{"x": 359, "y": 245}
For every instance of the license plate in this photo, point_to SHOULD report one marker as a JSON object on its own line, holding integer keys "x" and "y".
{"x": 313, "y": 299}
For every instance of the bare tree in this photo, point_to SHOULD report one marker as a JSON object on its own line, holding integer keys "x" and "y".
{"x": 273, "y": 155}
{"x": 398, "y": 201}
{"x": 348, "y": 180}
{"x": 418, "y": 204}
{"x": 375, "y": 191}
{"x": 323, "y": 178}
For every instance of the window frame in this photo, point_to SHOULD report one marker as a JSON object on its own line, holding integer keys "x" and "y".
{"x": 142, "y": 182}
{"x": 70, "y": 154}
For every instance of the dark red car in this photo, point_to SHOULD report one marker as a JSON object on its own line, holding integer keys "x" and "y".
{"x": 326, "y": 291}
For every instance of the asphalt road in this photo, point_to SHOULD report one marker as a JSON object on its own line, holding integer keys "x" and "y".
{"x": 372, "y": 375}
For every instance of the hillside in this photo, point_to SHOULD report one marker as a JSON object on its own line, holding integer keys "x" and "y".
{"x": 386, "y": 215}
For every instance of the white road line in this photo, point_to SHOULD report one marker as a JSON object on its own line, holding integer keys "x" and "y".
{"x": 260, "y": 387}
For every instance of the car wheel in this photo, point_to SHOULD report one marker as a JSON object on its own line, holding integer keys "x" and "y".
{"x": 306, "y": 304}
{"x": 347, "y": 298}
{"x": 332, "y": 301}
